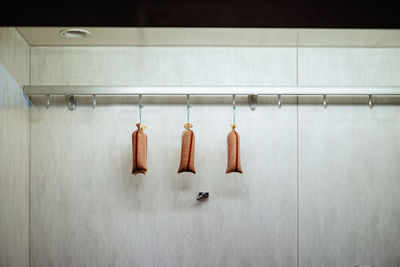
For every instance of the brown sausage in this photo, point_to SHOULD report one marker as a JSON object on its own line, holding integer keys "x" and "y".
{"x": 233, "y": 151}
{"x": 139, "y": 148}
{"x": 187, "y": 151}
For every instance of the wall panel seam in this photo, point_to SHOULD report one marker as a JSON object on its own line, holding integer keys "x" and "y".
{"x": 297, "y": 184}
{"x": 30, "y": 160}
{"x": 29, "y": 186}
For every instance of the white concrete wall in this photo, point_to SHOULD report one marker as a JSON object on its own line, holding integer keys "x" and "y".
{"x": 349, "y": 182}
{"x": 14, "y": 55}
{"x": 318, "y": 189}
{"x": 349, "y": 66}
{"x": 163, "y": 66}
{"x": 14, "y": 150}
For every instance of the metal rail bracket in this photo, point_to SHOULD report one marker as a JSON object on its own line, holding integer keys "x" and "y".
{"x": 72, "y": 99}
{"x": 253, "y": 101}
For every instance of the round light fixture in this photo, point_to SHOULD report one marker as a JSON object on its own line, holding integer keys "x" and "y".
{"x": 74, "y": 33}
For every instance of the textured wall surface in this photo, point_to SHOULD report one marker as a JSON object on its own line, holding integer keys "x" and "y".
{"x": 163, "y": 66}
{"x": 349, "y": 185}
{"x": 88, "y": 209}
{"x": 14, "y": 55}
{"x": 349, "y": 66}
{"x": 14, "y": 150}
{"x": 332, "y": 202}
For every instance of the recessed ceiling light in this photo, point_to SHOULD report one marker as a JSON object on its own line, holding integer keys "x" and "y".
{"x": 74, "y": 33}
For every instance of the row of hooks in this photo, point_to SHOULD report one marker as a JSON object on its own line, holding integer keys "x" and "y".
{"x": 72, "y": 100}
{"x": 371, "y": 101}
{"x": 253, "y": 101}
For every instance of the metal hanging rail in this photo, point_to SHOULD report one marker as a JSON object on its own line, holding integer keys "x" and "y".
{"x": 211, "y": 90}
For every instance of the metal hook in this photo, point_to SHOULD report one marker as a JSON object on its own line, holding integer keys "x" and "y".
{"x": 325, "y": 100}
{"x": 188, "y": 101}
{"x": 94, "y": 101}
{"x": 140, "y": 100}
{"x": 140, "y": 108}
{"x": 234, "y": 107}
{"x": 279, "y": 101}
{"x": 371, "y": 101}
{"x": 72, "y": 99}
{"x": 188, "y": 107}
{"x": 48, "y": 101}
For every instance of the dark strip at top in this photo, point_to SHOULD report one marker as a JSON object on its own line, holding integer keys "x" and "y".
{"x": 208, "y": 13}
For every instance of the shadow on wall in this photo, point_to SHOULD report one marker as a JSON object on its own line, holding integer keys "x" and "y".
{"x": 11, "y": 95}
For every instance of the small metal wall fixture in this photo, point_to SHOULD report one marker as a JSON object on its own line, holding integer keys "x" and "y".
{"x": 253, "y": 101}
{"x": 72, "y": 99}
{"x": 202, "y": 196}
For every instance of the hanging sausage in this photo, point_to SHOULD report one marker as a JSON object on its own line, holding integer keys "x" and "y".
{"x": 139, "y": 145}
{"x": 234, "y": 151}
{"x": 188, "y": 141}
{"x": 233, "y": 141}
{"x": 187, "y": 151}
